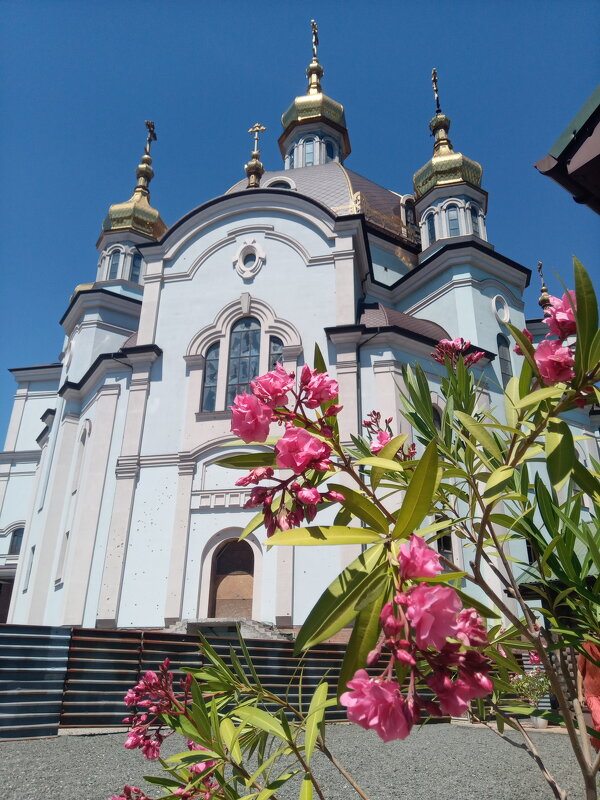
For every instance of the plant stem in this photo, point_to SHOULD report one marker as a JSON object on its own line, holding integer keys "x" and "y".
{"x": 326, "y": 752}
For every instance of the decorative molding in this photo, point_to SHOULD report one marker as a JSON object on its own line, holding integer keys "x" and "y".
{"x": 12, "y": 457}
{"x": 245, "y": 229}
{"x": 218, "y": 498}
{"x": 249, "y": 248}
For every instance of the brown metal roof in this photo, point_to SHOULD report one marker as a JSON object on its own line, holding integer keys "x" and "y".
{"x": 381, "y": 316}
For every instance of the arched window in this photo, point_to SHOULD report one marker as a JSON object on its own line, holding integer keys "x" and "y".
{"x": 504, "y": 359}
{"x": 309, "y": 152}
{"x": 437, "y": 418}
{"x": 475, "y": 220}
{"x": 279, "y": 185}
{"x": 113, "y": 268}
{"x": 136, "y": 268}
{"x": 244, "y": 353}
{"x": 16, "y": 541}
{"x": 275, "y": 351}
{"x": 291, "y": 157}
{"x": 211, "y": 372}
{"x": 409, "y": 211}
{"x": 329, "y": 152}
{"x": 453, "y": 226}
{"x": 232, "y": 581}
{"x": 431, "y": 228}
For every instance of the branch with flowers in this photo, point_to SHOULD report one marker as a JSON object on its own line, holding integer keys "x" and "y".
{"x": 431, "y": 637}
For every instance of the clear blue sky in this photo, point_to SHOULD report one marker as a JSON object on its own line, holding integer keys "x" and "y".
{"x": 79, "y": 79}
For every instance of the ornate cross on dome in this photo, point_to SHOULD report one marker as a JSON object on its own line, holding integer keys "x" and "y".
{"x": 151, "y": 136}
{"x": 315, "y": 38}
{"x": 434, "y": 83}
{"x": 256, "y": 129}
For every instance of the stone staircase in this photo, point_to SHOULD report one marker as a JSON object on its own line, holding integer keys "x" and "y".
{"x": 250, "y": 628}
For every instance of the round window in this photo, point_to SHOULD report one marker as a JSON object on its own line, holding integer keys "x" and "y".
{"x": 249, "y": 260}
{"x": 500, "y": 308}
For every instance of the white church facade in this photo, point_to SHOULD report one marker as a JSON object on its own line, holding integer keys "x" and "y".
{"x": 113, "y": 510}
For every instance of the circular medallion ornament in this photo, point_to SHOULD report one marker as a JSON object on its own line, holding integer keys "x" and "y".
{"x": 248, "y": 260}
{"x": 500, "y": 309}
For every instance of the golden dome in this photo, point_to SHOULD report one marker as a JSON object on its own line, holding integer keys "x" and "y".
{"x": 314, "y": 103}
{"x": 445, "y": 167}
{"x": 136, "y": 213}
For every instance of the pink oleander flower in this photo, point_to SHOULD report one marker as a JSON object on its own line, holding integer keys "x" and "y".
{"x": 529, "y": 335}
{"x": 453, "y": 696}
{"x": 318, "y": 387}
{"x": 417, "y": 559}
{"x": 452, "y": 349}
{"x": 273, "y": 387}
{"x": 334, "y": 497}
{"x": 554, "y": 361}
{"x": 250, "y": 418}
{"x": 255, "y": 476}
{"x": 298, "y": 450}
{"x": 534, "y": 658}
{"x": 380, "y": 441}
{"x": 470, "y": 628}
{"x": 379, "y": 706}
{"x": 130, "y": 793}
{"x": 560, "y": 317}
{"x": 151, "y": 747}
{"x": 432, "y": 611}
{"x": 308, "y": 494}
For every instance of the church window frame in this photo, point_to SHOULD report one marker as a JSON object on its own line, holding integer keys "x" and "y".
{"x": 504, "y": 359}
{"x": 242, "y": 366}
{"x": 309, "y": 151}
{"x": 211, "y": 378}
{"x": 430, "y": 228}
{"x": 410, "y": 215}
{"x": 16, "y": 541}
{"x": 329, "y": 151}
{"x": 291, "y": 157}
{"x": 453, "y": 220}
{"x": 475, "y": 221}
{"x": 136, "y": 268}
{"x": 114, "y": 262}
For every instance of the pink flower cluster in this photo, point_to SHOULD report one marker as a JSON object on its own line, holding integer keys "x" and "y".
{"x": 553, "y": 357}
{"x": 154, "y": 693}
{"x": 425, "y": 624}
{"x": 130, "y": 793}
{"x": 301, "y": 448}
{"x": 452, "y": 349}
{"x": 379, "y": 436}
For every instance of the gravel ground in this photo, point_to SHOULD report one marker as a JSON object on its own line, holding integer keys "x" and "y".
{"x": 439, "y": 762}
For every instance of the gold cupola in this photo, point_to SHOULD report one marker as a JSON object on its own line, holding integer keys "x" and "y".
{"x": 136, "y": 214}
{"x": 445, "y": 167}
{"x": 315, "y": 106}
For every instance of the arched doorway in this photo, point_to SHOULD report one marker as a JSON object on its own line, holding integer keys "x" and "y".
{"x": 232, "y": 581}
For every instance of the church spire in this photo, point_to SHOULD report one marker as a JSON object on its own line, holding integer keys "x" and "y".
{"x": 314, "y": 113}
{"x": 136, "y": 213}
{"x": 446, "y": 166}
{"x": 254, "y": 168}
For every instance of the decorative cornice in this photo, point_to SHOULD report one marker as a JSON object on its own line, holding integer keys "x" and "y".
{"x": 98, "y": 298}
{"x": 12, "y": 457}
{"x": 103, "y": 364}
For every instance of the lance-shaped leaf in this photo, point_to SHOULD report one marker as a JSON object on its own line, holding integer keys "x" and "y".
{"x": 324, "y": 534}
{"x": 229, "y": 734}
{"x": 480, "y": 433}
{"x": 248, "y": 460}
{"x": 362, "y": 507}
{"x": 560, "y": 452}
{"x": 419, "y": 493}
{"x": 306, "y": 789}
{"x": 314, "y": 718}
{"x": 365, "y": 634}
{"x": 535, "y": 398}
{"x": 261, "y": 719}
{"x": 498, "y": 481}
{"x": 587, "y": 317}
{"x": 389, "y": 452}
{"x": 525, "y": 345}
{"x": 337, "y": 606}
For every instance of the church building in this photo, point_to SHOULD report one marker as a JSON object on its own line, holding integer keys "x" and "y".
{"x": 113, "y": 509}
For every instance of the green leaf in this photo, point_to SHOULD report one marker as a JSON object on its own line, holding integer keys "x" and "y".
{"x": 560, "y": 452}
{"x": 389, "y": 452}
{"x": 362, "y": 507}
{"x": 230, "y": 734}
{"x": 480, "y": 433}
{"x": 318, "y": 360}
{"x": 365, "y": 634}
{"x": 586, "y": 481}
{"x": 337, "y": 605}
{"x": 266, "y": 763}
{"x": 538, "y": 396}
{"x": 314, "y": 718}
{"x": 498, "y": 481}
{"x": 306, "y": 789}
{"x": 248, "y": 460}
{"x": 261, "y": 719}
{"x": 383, "y": 464}
{"x": 256, "y": 521}
{"x": 419, "y": 493}
{"x": 525, "y": 345}
{"x": 324, "y": 534}
{"x": 587, "y": 317}
{"x": 479, "y": 607}
{"x": 525, "y": 379}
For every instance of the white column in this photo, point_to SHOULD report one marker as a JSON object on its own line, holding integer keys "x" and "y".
{"x": 150, "y": 305}
{"x": 179, "y": 543}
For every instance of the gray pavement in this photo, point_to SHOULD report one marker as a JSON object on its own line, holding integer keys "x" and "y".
{"x": 438, "y": 762}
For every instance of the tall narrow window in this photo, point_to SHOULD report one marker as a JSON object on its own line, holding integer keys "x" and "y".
{"x": 431, "y": 228}
{"x": 504, "y": 359}
{"x": 329, "y": 152}
{"x": 409, "y": 210}
{"x": 275, "y": 351}
{"x": 453, "y": 226}
{"x": 211, "y": 371}
{"x": 136, "y": 268}
{"x": 437, "y": 418}
{"x": 61, "y": 558}
{"x": 113, "y": 269}
{"x": 291, "y": 157}
{"x": 475, "y": 220}
{"x": 15, "y": 542}
{"x": 309, "y": 152}
{"x": 244, "y": 352}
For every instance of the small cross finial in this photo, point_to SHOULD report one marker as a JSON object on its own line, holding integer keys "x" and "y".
{"x": 256, "y": 129}
{"x": 151, "y": 136}
{"x": 544, "y": 300}
{"x": 434, "y": 82}
{"x": 315, "y": 38}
